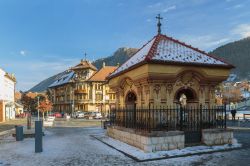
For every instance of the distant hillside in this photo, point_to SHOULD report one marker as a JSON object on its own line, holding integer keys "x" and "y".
{"x": 43, "y": 85}
{"x": 237, "y": 53}
{"x": 120, "y": 56}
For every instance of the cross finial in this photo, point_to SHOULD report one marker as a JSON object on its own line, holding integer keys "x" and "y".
{"x": 85, "y": 56}
{"x": 159, "y": 18}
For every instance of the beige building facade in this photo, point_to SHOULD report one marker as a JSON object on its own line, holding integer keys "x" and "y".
{"x": 83, "y": 88}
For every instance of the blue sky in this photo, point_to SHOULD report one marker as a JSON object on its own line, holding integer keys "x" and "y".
{"x": 39, "y": 38}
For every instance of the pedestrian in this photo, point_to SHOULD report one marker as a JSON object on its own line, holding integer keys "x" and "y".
{"x": 233, "y": 111}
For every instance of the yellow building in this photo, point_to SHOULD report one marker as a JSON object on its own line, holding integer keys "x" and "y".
{"x": 83, "y": 88}
{"x": 164, "y": 69}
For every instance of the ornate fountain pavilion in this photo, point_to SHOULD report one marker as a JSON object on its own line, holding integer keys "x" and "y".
{"x": 165, "y": 68}
{"x": 162, "y": 73}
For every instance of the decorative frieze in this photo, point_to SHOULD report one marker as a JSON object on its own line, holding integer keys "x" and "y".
{"x": 157, "y": 89}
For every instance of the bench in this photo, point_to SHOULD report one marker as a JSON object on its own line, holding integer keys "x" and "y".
{"x": 244, "y": 116}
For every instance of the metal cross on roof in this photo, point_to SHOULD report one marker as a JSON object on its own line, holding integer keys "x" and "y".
{"x": 159, "y": 18}
{"x": 85, "y": 56}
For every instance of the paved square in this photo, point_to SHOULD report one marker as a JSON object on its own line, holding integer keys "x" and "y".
{"x": 75, "y": 146}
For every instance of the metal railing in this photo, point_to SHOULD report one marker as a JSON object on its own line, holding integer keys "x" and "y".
{"x": 170, "y": 118}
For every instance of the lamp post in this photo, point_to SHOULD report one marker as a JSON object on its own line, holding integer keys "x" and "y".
{"x": 38, "y": 97}
{"x": 73, "y": 100}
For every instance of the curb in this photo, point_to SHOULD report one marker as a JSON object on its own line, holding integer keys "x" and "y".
{"x": 162, "y": 158}
{"x": 3, "y": 133}
{"x": 239, "y": 128}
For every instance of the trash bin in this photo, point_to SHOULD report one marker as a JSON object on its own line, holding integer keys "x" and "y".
{"x": 19, "y": 133}
{"x": 105, "y": 124}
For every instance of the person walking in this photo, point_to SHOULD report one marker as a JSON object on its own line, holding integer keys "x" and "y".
{"x": 233, "y": 110}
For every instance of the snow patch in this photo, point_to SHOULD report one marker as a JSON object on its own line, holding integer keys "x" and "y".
{"x": 141, "y": 155}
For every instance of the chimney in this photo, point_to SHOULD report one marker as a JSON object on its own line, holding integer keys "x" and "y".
{"x": 103, "y": 64}
{"x": 118, "y": 64}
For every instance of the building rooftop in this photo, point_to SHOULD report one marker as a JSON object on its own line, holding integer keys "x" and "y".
{"x": 164, "y": 49}
{"x": 84, "y": 64}
{"x": 103, "y": 73}
{"x": 63, "y": 79}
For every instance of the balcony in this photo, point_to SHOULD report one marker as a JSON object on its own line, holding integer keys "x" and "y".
{"x": 81, "y": 101}
{"x": 113, "y": 101}
{"x": 80, "y": 91}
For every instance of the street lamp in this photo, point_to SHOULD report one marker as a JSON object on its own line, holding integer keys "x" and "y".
{"x": 73, "y": 100}
{"x": 38, "y": 97}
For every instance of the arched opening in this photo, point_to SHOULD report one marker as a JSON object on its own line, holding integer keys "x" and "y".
{"x": 189, "y": 93}
{"x": 131, "y": 100}
{"x": 130, "y": 108}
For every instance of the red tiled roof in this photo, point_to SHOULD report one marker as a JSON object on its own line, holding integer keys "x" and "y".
{"x": 168, "y": 50}
{"x": 103, "y": 73}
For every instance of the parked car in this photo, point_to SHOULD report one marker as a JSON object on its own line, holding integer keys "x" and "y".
{"x": 93, "y": 115}
{"x": 57, "y": 115}
{"x": 98, "y": 115}
{"x": 22, "y": 115}
{"x": 78, "y": 114}
{"x": 89, "y": 115}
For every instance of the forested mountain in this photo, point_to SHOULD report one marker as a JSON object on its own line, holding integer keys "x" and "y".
{"x": 238, "y": 54}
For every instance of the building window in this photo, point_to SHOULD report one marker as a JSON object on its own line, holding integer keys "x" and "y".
{"x": 99, "y": 97}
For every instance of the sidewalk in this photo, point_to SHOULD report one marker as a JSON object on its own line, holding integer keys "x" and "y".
{"x": 238, "y": 125}
{"x": 8, "y": 125}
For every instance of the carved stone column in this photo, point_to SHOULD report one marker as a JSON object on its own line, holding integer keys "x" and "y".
{"x": 146, "y": 91}
{"x": 157, "y": 94}
{"x": 169, "y": 94}
{"x": 212, "y": 95}
{"x": 139, "y": 95}
{"x": 202, "y": 92}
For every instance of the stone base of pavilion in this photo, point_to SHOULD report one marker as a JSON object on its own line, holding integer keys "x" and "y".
{"x": 167, "y": 140}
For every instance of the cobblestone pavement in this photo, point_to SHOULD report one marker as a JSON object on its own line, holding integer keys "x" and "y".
{"x": 74, "y": 146}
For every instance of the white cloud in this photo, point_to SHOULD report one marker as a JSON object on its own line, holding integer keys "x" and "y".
{"x": 149, "y": 20}
{"x": 169, "y": 8}
{"x": 158, "y": 4}
{"x": 205, "y": 42}
{"x": 243, "y": 30}
{"x": 31, "y": 72}
{"x": 161, "y": 7}
{"x": 237, "y": 6}
{"x": 23, "y": 52}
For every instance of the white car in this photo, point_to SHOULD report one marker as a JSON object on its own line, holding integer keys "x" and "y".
{"x": 78, "y": 114}
{"x": 98, "y": 115}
